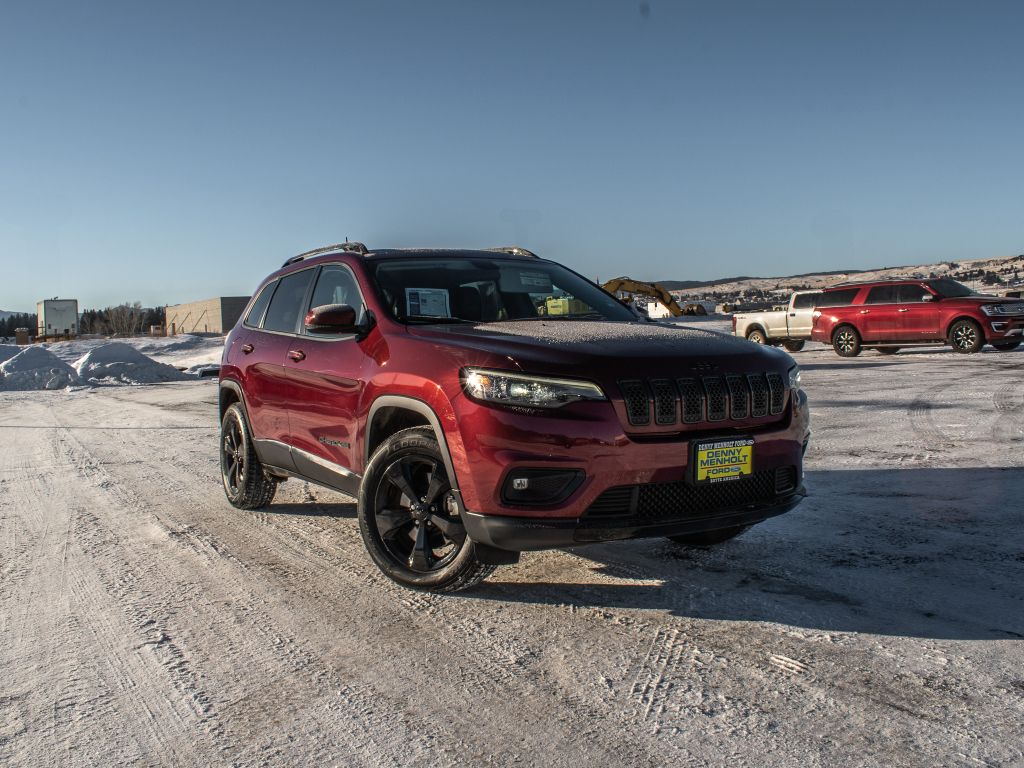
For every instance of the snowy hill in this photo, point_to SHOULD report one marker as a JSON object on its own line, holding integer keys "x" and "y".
{"x": 974, "y": 272}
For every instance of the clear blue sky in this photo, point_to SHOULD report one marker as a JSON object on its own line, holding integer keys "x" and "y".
{"x": 165, "y": 152}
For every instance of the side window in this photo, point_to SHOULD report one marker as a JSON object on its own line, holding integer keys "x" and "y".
{"x": 912, "y": 294}
{"x": 259, "y": 307}
{"x": 337, "y": 285}
{"x": 838, "y": 298}
{"x": 882, "y": 294}
{"x": 283, "y": 312}
{"x": 806, "y": 300}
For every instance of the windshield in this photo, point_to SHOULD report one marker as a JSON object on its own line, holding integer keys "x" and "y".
{"x": 950, "y": 289}
{"x": 440, "y": 290}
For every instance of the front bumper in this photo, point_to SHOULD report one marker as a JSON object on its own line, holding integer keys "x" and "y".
{"x": 525, "y": 534}
{"x": 1010, "y": 328}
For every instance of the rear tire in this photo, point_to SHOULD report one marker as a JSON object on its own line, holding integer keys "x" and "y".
{"x": 888, "y": 350}
{"x": 709, "y": 538}
{"x": 245, "y": 484}
{"x": 846, "y": 341}
{"x": 966, "y": 337}
{"x": 793, "y": 346}
{"x": 757, "y": 336}
{"x": 409, "y": 520}
{"x": 1005, "y": 346}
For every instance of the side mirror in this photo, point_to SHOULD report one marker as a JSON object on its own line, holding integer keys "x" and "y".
{"x": 332, "y": 319}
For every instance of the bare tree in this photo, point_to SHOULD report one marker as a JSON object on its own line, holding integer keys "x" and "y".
{"x": 125, "y": 319}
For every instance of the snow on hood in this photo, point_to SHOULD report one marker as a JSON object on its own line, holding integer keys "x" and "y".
{"x": 120, "y": 363}
{"x": 35, "y": 368}
{"x": 620, "y": 337}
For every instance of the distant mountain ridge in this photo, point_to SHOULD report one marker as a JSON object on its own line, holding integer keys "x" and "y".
{"x": 991, "y": 273}
{"x": 4, "y": 315}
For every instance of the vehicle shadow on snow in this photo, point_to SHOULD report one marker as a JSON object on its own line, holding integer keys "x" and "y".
{"x": 931, "y": 553}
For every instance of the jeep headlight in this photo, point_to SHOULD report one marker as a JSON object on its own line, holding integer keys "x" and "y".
{"x": 794, "y": 378}
{"x": 526, "y": 391}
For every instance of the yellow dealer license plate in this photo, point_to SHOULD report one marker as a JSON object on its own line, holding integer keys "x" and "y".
{"x": 716, "y": 461}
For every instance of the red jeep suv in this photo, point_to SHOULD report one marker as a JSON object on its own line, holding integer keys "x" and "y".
{"x": 482, "y": 403}
{"x": 890, "y": 314}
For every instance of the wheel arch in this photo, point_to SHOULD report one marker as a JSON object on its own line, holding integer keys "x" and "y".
{"x": 390, "y": 413}
{"x": 755, "y": 327}
{"x": 844, "y": 324}
{"x": 957, "y": 318}
{"x": 230, "y": 392}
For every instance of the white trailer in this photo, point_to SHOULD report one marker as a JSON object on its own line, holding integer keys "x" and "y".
{"x": 57, "y": 317}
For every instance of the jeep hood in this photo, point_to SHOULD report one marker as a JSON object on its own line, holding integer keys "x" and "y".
{"x": 585, "y": 347}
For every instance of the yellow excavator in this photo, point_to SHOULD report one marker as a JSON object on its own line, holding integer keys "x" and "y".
{"x": 625, "y": 288}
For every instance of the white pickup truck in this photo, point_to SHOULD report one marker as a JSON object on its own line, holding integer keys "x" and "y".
{"x": 790, "y": 327}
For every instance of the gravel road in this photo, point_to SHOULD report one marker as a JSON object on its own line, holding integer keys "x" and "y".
{"x": 143, "y": 620}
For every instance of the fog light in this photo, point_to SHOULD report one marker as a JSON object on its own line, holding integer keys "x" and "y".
{"x": 533, "y": 487}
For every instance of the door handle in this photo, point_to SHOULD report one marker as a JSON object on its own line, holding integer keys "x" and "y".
{"x": 904, "y": 309}
{"x": 247, "y": 348}
{"x": 297, "y": 355}
{"x": 792, "y": 314}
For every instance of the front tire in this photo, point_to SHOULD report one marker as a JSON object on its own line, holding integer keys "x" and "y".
{"x": 709, "y": 538}
{"x": 846, "y": 341}
{"x": 966, "y": 337}
{"x": 245, "y": 484}
{"x": 793, "y": 346}
{"x": 409, "y": 519}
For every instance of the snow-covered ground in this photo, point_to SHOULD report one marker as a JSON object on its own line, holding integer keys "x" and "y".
{"x": 182, "y": 351}
{"x": 144, "y": 620}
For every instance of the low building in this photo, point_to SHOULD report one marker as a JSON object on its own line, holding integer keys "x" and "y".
{"x": 217, "y": 315}
{"x": 57, "y": 317}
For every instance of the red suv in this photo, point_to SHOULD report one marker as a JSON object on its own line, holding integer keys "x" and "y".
{"x": 891, "y": 314}
{"x": 482, "y": 403}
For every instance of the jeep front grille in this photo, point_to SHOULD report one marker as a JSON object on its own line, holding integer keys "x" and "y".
{"x": 710, "y": 398}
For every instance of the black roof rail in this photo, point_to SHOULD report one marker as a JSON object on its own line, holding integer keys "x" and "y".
{"x": 346, "y": 246}
{"x": 513, "y": 250}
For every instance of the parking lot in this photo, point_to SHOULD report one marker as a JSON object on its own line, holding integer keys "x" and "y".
{"x": 881, "y": 622}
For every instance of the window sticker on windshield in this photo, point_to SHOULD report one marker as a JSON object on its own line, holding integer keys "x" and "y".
{"x": 430, "y": 302}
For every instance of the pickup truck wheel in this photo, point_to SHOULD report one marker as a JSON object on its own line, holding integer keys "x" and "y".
{"x": 757, "y": 336}
{"x": 887, "y": 350}
{"x": 409, "y": 520}
{"x": 846, "y": 341}
{"x": 793, "y": 346}
{"x": 966, "y": 337}
{"x": 709, "y": 538}
{"x": 1005, "y": 346}
{"x": 241, "y": 472}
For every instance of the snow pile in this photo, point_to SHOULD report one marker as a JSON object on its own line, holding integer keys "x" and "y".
{"x": 120, "y": 363}
{"x": 7, "y": 351}
{"x": 35, "y": 368}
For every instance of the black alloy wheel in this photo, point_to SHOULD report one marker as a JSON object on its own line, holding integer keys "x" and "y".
{"x": 245, "y": 483}
{"x": 410, "y": 519}
{"x": 966, "y": 337}
{"x": 846, "y": 341}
